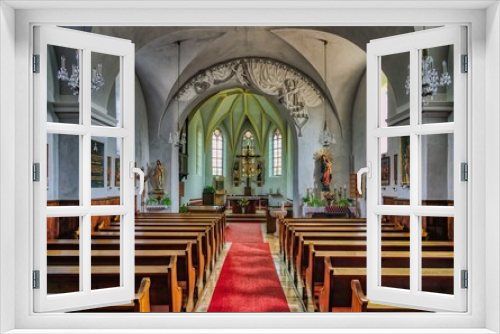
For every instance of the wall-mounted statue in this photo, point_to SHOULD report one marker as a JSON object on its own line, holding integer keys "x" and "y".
{"x": 260, "y": 173}
{"x": 325, "y": 159}
{"x": 236, "y": 173}
{"x": 156, "y": 175}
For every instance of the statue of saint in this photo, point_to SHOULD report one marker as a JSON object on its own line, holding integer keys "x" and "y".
{"x": 158, "y": 175}
{"x": 326, "y": 172}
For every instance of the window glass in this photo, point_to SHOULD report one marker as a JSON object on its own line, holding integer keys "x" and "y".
{"x": 217, "y": 152}
{"x": 277, "y": 153}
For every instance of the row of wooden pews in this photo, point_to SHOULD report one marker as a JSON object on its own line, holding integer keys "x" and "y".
{"x": 326, "y": 255}
{"x": 174, "y": 256}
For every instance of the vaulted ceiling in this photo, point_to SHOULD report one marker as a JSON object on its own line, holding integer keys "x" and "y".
{"x": 237, "y": 109}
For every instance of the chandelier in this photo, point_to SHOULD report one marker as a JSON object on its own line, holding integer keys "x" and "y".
{"x": 178, "y": 139}
{"x": 325, "y": 137}
{"x": 431, "y": 80}
{"x": 73, "y": 81}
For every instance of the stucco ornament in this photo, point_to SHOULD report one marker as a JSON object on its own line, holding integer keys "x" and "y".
{"x": 292, "y": 89}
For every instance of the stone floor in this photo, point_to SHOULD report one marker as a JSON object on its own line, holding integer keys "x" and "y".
{"x": 294, "y": 301}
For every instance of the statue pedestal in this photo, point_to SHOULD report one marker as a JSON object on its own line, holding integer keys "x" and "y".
{"x": 158, "y": 194}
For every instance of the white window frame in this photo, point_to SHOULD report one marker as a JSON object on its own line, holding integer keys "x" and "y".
{"x": 376, "y": 131}
{"x": 482, "y": 316}
{"x": 123, "y": 50}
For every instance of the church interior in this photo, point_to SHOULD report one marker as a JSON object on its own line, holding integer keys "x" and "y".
{"x": 250, "y": 139}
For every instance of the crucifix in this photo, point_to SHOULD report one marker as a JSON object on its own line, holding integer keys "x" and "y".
{"x": 249, "y": 167}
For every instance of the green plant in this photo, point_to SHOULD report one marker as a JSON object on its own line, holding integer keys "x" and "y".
{"x": 166, "y": 201}
{"x": 151, "y": 201}
{"x": 243, "y": 202}
{"x": 306, "y": 199}
{"x": 345, "y": 202}
{"x": 183, "y": 208}
{"x": 209, "y": 190}
{"x": 316, "y": 202}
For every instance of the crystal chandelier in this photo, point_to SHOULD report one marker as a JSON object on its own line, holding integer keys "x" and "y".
{"x": 96, "y": 83}
{"x": 325, "y": 137}
{"x": 431, "y": 80}
{"x": 178, "y": 139}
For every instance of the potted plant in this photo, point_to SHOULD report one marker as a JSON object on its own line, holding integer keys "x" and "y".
{"x": 306, "y": 200}
{"x": 183, "y": 209}
{"x": 166, "y": 201}
{"x": 316, "y": 202}
{"x": 243, "y": 203}
{"x": 208, "y": 195}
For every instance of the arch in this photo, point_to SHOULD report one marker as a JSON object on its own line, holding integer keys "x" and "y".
{"x": 191, "y": 106}
{"x": 269, "y": 77}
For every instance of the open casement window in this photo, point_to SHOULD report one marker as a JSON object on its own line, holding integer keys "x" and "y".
{"x": 418, "y": 79}
{"x": 83, "y": 147}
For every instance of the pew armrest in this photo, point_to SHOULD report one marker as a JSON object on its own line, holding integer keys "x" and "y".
{"x": 359, "y": 302}
{"x": 142, "y": 301}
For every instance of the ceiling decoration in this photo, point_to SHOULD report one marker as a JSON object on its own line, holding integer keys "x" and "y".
{"x": 293, "y": 89}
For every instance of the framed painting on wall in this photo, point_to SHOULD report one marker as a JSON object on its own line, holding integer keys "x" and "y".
{"x": 117, "y": 172}
{"x": 385, "y": 171}
{"x": 97, "y": 167}
{"x": 404, "y": 151}
{"x": 396, "y": 162}
{"x": 108, "y": 171}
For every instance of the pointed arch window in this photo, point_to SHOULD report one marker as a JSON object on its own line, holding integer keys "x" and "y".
{"x": 277, "y": 153}
{"x": 217, "y": 152}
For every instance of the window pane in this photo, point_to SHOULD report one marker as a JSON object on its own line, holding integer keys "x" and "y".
{"x": 440, "y": 231}
{"x": 437, "y": 85}
{"x": 437, "y": 170}
{"x": 63, "y": 255}
{"x": 277, "y": 154}
{"x": 105, "y": 170}
{"x": 395, "y": 90}
{"x": 106, "y": 90}
{"x": 395, "y": 170}
{"x": 63, "y": 170}
{"x": 105, "y": 228}
{"x": 63, "y": 85}
{"x": 395, "y": 259}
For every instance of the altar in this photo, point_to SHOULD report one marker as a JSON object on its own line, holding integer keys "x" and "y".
{"x": 254, "y": 203}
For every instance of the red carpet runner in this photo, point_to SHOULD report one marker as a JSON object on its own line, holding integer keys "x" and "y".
{"x": 248, "y": 281}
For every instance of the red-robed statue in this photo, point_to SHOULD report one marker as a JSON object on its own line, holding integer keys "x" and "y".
{"x": 326, "y": 172}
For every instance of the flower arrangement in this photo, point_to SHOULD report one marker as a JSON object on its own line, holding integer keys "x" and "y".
{"x": 243, "y": 202}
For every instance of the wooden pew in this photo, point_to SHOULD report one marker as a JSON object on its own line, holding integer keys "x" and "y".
{"x": 359, "y": 302}
{"x": 298, "y": 251}
{"x": 314, "y": 273}
{"x": 164, "y": 289}
{"x": 141, "y": 302}
{"x": 297, "y": 228}
{"x": 185, "y": 269}
{"x": 204, "y": 227}
{"x": 219, "y": 218}
{"x": 207, "y": 244}
{"x": 172, "y": 220}
{"x": 198, "y": 257}
{"x": 318, "y": 222}
{"x": 337, "y": 282}
{"x": 300, "y": 260}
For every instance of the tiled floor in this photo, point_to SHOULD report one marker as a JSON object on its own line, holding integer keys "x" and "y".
{"x": 294, "y": 301}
